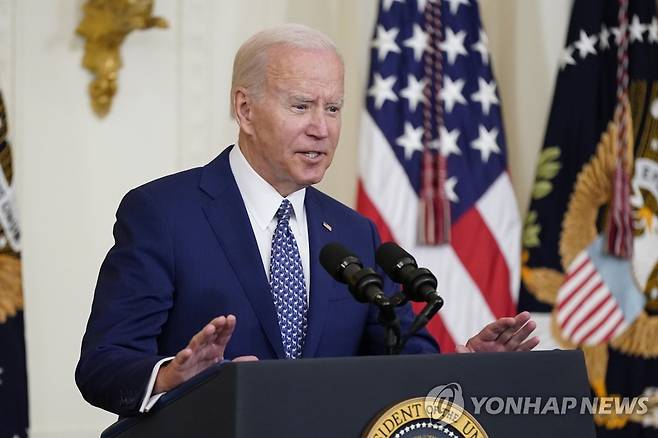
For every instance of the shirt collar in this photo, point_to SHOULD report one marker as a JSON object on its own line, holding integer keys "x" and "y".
{"x": 259, "y": 196}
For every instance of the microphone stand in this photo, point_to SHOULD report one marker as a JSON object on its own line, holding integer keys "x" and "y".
{"x": 391, "y": 323}
{"x": 421, "y": 320}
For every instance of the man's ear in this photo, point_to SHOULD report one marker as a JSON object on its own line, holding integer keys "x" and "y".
{"x": 243, "y": 109}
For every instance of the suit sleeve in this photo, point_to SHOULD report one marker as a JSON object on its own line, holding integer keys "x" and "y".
{"x": 373, "y": 340}
{"x": 131, "y": 302}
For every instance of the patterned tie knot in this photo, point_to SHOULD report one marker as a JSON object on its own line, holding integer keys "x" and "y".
{"x": 284, "y": 211}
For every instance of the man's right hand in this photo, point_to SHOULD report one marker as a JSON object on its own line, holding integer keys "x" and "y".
{"x": 206, "y": 348}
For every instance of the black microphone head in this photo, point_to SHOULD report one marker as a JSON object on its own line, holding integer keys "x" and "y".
{"x": 334, "y": 258}
{"x": 392, "y": 258}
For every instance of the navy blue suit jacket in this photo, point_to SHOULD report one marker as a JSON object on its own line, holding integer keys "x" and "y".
{"x": 185, "y": 253}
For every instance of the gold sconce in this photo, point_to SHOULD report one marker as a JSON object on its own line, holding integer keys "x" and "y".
{"x": 104, "y": 26}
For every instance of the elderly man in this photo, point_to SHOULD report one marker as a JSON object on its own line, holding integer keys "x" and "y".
{"x": 221, "y": 262}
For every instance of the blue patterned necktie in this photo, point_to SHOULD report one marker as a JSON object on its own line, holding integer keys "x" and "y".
{"x": 287, "y": 284}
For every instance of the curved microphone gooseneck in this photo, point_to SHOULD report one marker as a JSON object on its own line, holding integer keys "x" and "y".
{"x": 418, "y": 284}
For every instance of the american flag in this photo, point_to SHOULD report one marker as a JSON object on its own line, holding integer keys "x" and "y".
{"x": 478, "y": 269}
{"x": 588, "y": 312}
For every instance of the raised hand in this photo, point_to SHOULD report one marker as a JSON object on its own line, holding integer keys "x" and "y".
{"x": 505, "y": 334}
{"x": 206, "y": 348}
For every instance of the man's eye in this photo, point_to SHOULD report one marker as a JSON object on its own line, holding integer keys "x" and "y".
{"x": 300, "y": 107}
{"x": 333, "y": 109}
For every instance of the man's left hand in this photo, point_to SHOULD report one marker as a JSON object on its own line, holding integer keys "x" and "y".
{"x": 505, "y": 334}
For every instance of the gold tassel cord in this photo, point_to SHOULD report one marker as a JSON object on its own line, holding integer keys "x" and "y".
{"x": 591, "y": 191}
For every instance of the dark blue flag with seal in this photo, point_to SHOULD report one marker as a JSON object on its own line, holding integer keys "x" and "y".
{"x": 603, "y": 123}
{"x": 13, "y": 371}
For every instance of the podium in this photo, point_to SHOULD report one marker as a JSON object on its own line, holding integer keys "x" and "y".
{"x": 508, "y": 394}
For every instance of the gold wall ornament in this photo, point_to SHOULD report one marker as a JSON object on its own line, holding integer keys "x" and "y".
{"x": 104, "y": 26}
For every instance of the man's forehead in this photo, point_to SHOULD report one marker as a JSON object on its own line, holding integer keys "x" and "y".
{"x": 305, "y": 74}
{"x": 287, "y": 61}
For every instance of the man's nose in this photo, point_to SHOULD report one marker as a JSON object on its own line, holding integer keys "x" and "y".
{"x": 318, "y": 126}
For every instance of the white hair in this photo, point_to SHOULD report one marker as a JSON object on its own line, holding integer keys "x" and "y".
{"x": 250, "y": 61}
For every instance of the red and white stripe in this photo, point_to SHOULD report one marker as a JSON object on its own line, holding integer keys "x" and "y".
{"x": 478, "y": 272}
{"x": 587, "y": 312}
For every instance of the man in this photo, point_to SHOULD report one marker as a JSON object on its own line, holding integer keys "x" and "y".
{"x": 236, "y": 243}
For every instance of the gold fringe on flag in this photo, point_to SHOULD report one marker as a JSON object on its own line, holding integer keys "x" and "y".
{"x": 11, "y": 296}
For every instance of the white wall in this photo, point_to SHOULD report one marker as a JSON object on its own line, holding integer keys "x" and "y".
{"x": 171, "y": 113}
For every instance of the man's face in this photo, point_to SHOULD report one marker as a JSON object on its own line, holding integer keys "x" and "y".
{"x": 292, "y": 129}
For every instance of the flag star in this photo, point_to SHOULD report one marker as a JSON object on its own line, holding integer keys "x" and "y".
{"x": 619, "y": 33}
{"x": 454, "y": 5}
{"x": 567, "y": 58}
{"x": 382, "y": 90}
{"x": 653, "y": 31}
{"x": 388, "y": 3}
{"x": 453, "y": 44}
{"x": 637, "y": 29}
{"x": 604, "y": 38}
{"x": 449, "y": 189}
{"x": 585, "y": 44}
{"x": 414, "y": 91}
{"x": 486, "y": 95}
{"x": 418, "y": 42}
{"x": 410, "y": 140}
{"x": 385, "y": 41}
{"x": 486, "y": 142}
{"x": 451, "y": 93}
{"x": 446, "y": 144}
{"x": 482, "y": 46}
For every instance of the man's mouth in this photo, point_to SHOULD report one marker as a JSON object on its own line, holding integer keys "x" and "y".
{"x": 312, "y": 155}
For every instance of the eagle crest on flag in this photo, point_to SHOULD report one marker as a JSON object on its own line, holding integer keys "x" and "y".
{"x": 590, "y": 239}
{"x": 603, "y": 300}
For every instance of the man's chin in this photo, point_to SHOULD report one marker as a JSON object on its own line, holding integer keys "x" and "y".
{"x": 309, "y": 180}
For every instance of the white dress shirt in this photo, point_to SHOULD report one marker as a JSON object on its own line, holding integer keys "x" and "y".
{"x": 262, "y": 202}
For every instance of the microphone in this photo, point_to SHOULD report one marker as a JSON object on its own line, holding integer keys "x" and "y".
{"x": 364, "y": 283}
{"x": 419, "y": 283}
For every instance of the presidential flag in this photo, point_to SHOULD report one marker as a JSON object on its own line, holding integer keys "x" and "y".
{"x": 13, "y": 374}
{"x": 590, "y": 239}
{"x": 433, "y": 166}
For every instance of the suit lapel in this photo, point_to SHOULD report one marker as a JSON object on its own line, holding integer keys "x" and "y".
{"x": 320, "y": 233}
{"x": 230, "y": 222}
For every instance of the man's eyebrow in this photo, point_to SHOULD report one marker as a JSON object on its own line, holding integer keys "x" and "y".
{"x": 300, "y": 98}
{"x": 309, "y": 99}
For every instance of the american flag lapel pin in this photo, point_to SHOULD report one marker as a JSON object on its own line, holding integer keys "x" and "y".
{"x": 327, "y": 226}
